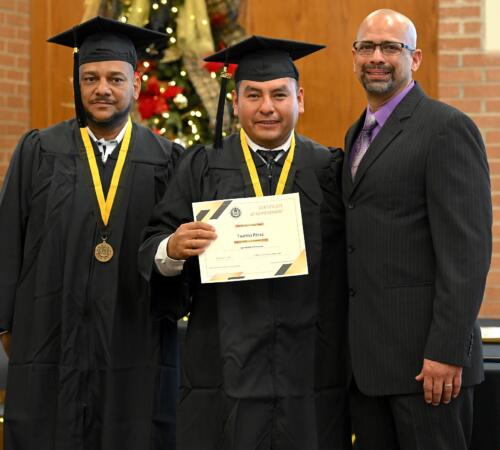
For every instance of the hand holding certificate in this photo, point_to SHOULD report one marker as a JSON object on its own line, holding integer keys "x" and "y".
{"x": 258, "y": 237}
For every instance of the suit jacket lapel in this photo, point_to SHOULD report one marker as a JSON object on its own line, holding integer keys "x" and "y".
{"x": 392, "y": 128}
{"x": 385, "y": 136}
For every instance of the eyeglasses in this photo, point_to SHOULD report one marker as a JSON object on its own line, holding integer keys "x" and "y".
{"x": 388, "y": 48}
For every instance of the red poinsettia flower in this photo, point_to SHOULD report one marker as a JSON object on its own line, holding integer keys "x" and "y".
{"x": 172, "y": 91}
{"x": 152, "y": 86}
{"x": 217, "y": 67}
{"x": 150, "y": 105}
{"x": 142, "y": 69}
{"x": 154, "y": 95}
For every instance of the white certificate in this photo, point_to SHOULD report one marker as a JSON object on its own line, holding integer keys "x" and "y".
{"x": 257, "y": 237}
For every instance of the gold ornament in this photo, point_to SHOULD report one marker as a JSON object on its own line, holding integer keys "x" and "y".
{"x": 181, "y": 101}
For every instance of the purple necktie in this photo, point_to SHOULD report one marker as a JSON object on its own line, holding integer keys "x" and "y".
{"x": 362, "y": 143}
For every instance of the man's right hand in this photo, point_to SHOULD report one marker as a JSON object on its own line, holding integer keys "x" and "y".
{"x": 190, "y": 239}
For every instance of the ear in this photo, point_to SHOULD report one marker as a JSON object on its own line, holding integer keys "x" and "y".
{"x": 300, "y": 99}
{"x": 416, "y": 60}
{"x": 136, "y": 85}
{"x": 235, "y": 102}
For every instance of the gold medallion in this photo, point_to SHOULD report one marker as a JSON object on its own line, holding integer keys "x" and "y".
{"x": 103, "y": 252}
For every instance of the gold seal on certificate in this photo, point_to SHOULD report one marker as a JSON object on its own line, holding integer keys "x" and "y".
{"x": 257, "y": 237}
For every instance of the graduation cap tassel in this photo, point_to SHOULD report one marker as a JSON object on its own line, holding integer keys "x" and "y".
{"x": 76, "y": 88}
{"x": 80, "y": 116}
{"x": 225, "y": 75}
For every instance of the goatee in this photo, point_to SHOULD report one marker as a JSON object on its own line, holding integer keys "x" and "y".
{"x": 378, "y": 87}
{"x": 117, "y": 119}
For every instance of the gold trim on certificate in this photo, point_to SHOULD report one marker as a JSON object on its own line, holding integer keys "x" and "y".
{"x": 258, "y": 237}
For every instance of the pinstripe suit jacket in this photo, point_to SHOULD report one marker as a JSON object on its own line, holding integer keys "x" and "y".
{"x": 418, "y": 218}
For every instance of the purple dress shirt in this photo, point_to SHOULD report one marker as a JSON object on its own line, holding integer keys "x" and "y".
{"x": 384, "y": 112}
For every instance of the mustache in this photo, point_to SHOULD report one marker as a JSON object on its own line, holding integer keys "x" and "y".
{"x": 385, "y": 67}
{"x": 106, "y": 100}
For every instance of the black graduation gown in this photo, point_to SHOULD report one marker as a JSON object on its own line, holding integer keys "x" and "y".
{"x": 263, "y": 365}
{"x": 87, "y": 360}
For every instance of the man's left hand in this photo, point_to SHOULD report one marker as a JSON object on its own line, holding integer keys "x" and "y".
{"x": 441, "y": 381}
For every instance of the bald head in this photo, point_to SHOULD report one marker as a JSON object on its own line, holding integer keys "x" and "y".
{"x": 388, "y": 22}
{"x": 384, "y": 72}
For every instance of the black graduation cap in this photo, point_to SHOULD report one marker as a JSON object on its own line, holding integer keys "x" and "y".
{"x": 103, "y": 39}
{"x": 259, "y": 58}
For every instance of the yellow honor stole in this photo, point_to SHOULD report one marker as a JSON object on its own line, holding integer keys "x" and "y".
{"x": 252, "y": 170}
{"x": 104, "y": 251}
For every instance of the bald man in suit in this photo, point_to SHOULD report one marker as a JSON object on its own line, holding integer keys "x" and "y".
{"x": 418, "y": 214}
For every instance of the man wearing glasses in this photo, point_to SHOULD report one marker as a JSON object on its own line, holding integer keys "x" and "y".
{"x": 418, "y": 215}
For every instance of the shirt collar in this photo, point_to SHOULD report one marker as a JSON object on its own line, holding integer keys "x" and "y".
{"x": 113, "y": 141}
{"x": 285, "y": 146}
{"x": 383, "y": 113}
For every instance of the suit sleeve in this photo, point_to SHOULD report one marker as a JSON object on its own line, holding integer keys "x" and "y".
{"x": 14, "y": 212}
{"x": 460, "y": 217}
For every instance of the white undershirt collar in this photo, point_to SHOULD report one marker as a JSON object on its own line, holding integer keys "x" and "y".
{"x": 255, "y": 147}
{"x": 106, "y": 147}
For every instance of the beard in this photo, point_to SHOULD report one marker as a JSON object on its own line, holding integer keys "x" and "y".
{"x": 378, "y": 86}
{"x": 118, "y": 118}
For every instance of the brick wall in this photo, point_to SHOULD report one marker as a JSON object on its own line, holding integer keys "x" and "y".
{"x": 14, "y": 76}
{"x": 469, "y": 78}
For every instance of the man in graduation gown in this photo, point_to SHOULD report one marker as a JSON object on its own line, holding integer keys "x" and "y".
{"x": 86, "y": 356}
{"x": 263, "y": 361}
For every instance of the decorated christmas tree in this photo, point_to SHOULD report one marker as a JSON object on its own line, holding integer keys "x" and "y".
{"x": 179, "y": 92}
